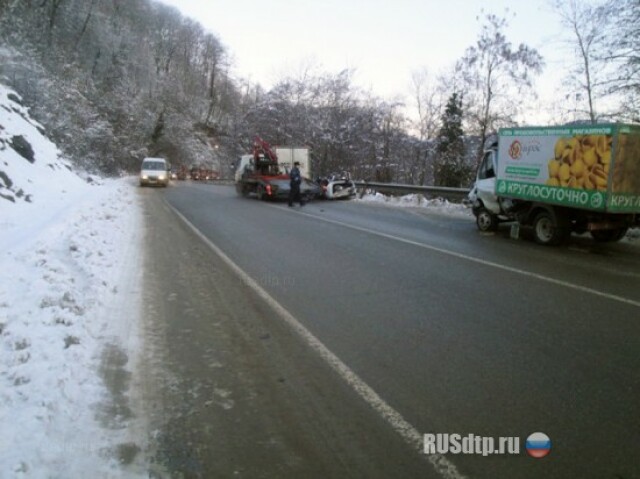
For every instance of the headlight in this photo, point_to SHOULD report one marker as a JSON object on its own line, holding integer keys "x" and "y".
{"x": 145, "y": 177}
{"x": 161, "y": 177}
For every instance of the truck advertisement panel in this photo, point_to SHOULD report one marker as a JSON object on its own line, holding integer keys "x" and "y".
{"x": 625, "y": 176}
{"x": 572, "y": 166}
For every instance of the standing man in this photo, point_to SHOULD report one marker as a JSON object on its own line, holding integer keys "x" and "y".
{"x": 295, "y": 180}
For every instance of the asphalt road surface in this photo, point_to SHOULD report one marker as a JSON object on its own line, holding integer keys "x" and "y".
{"x": 324, "y": 341}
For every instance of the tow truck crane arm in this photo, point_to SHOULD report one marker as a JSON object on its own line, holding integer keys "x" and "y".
{"x": 262, "y": 147}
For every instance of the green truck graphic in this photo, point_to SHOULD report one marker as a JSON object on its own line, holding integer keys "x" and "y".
{"x": 593, "y": 167}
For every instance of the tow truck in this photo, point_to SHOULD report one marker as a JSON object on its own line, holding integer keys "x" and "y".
{"x": 261, "y": 173}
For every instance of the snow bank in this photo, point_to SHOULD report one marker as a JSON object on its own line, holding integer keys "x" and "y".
{"x": 69, "y": 260}
{"x": 436, "y": 205}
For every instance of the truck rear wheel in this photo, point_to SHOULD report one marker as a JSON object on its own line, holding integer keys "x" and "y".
{"x": 485, "y": 220}
{"x": 549, "y": 229}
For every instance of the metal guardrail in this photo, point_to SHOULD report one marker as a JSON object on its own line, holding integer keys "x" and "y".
{"x": 432, "y": 191}
{"x": 392, "y": 188}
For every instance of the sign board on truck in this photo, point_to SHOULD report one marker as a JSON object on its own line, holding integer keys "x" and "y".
{"x": 589, "y": 167}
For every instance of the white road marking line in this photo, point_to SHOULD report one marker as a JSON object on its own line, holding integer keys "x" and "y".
{"x": 409, "y": 433}
{"x": 473, "y": 259}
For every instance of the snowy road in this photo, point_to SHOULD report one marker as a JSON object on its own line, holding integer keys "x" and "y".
{"x": 455, "y": 332}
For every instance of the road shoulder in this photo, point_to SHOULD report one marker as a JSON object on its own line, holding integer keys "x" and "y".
{"x": 232, "y": 390}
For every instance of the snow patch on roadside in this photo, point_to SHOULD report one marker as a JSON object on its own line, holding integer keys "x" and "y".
{"x": 633, "y": 236}
{"x": 68, "y": 311}
{"x": 436, "y": 205}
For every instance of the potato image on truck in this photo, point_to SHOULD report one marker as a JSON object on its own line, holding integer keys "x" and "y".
{"x": 581, "y": 162}
{"x": 562, "y": 179}
{"x": 625, "y": 182}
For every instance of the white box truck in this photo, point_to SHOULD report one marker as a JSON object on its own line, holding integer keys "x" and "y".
{"x": 560, "y": 180}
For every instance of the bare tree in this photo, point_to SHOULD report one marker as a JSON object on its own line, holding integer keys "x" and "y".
{"x": 53, "y": 7}
{"x": 85, "y": 24}
{"x": 428, "y": 96}
{"x": 496, "y": 77}
{"x": 623, "y": 52}
{"x": 428, "y": 102}
{"x": 213, "y": 57}
{"x": 588, "y": 27}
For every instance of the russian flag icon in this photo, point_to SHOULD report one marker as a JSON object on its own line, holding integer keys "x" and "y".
{"x": 538, "y": 445}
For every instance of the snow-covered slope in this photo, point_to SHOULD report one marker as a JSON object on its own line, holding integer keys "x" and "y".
{"x": 30, "y": 163}
{"x": 69, "y": 282}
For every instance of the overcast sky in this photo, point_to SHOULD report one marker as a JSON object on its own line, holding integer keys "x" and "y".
{"x": 383, "y": 40}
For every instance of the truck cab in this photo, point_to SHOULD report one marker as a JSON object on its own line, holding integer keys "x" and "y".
{"x": 484, "y": 201}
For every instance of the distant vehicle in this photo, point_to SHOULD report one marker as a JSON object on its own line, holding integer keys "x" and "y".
{"x": 182, "y": 173}
{"x": 154, "y": 171}
{"x": 208, "y": 174}
{"x": 337, "y": 187}
{"x": 201, "y": 173}
{"x": 265, "y": 173}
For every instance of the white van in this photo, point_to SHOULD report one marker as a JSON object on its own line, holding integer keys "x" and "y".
{"x": 154, "y": 171}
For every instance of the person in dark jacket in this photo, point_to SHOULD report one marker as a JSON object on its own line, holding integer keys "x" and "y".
{"x": 295, "y": 181}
